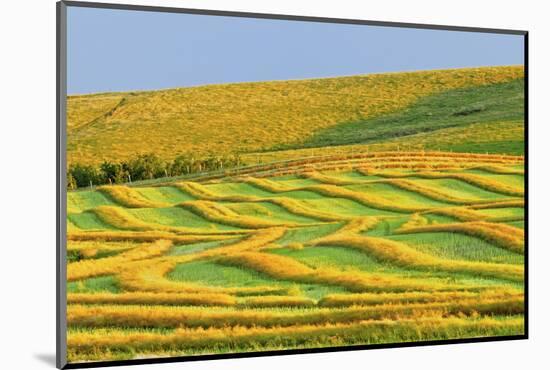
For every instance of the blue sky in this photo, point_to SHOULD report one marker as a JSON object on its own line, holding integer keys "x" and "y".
{"x": 122, "y": 50}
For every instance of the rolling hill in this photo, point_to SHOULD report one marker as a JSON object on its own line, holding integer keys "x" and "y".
{"x": 397, "y": 109}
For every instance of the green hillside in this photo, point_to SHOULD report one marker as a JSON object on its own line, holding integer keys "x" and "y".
{"x": 268, "y": 116}
{"x": 453, "y": 108}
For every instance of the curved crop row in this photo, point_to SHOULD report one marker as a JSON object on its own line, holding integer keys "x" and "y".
{"x": 110, "y": 265}
{"x": 121, "y": 219}
{"x": 152, "y": 298}
{"x": 369, "y": 299}
{"x": 500, "y": 204}
{"x": 431, "y": 192}
{"x": 428, "y": 192}
{"x": 459, "y": 213}
{"x": 505, "y": 236}
{"x": 151, "y": 275}
{"x": 500, "y": 170}
{"x": 416, "y": 220}
{"x": 286, "y": 268}
{"x": 129, "y": 197}
{"x": 357, "y": 225}
{"x": 102, "y": 344}
{"x": 330, "y": 180}
{"x": 151, "y": 236}
{"x": 399, "y": 160}
{"x": 333, "y": 191}
{"x": 278, "y": 301}
{"x": 472, "y": 179}
{"x": 292, "y": 205}
{"x": 218, "y": 213}
{"x": 402, "y": 255}
{"x": 172, "y": 316}
{"x": 392, "y": 159}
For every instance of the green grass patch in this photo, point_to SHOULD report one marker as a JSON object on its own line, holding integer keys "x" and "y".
{"x": 351, "y": 260}
{"x": 79, "y": 201}
{"x": 198, "y": 247}
{"x": 305, "y": 234}
{"x": 351, "y": 175}
{"x": 94, "y": 285}
{"x": 393, "y": 194}
{"x": 237, "y": 188}
{"x": 459, "y": 189}
{"x": 460, "y": 247}
{"x": 267, "y": 211}
{"x": 75, "y": 255}
{"x": 326, "y": 256}
{"x": 438, "y": 219}
{"x": 295, "y": 181}
{"x": 512, "y": 180}
{"x": 386, "y": 227}
{"x": 167, "y": 194}
{"x": 348, "y": 259}
{"x": 514, "y": 147}
{"x": 448, "y": 109}
{"x": 345, "y": 207}
{"x": 88, "y": 221}
{"x": 503, "y": 212}
{"x": 214, "y": 274}
{"x": 520, "y": 224}
{"x": 299, "y": 194}
{"x": 176, "y": 216}
{"x": 515, "y": 180}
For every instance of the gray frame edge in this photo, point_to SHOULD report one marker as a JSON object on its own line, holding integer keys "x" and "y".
{"x": 287, "y": 17}
{"x": 61, "y": 172}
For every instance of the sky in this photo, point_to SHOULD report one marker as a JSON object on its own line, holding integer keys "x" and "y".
{"x": 124, "y": 50}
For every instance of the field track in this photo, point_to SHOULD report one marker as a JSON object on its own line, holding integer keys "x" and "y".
{"x": 333, "y": 250}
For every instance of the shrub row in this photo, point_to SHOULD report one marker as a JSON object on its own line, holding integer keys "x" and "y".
{"x": 145, "y": 167}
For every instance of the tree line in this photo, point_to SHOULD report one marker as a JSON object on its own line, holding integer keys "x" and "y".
{"x": 145, "y": 167}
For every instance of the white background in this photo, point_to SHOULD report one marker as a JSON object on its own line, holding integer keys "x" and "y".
{"x": 27, "y": 172}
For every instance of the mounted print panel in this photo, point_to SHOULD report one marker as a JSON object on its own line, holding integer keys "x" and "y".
{"x": 239, "y": 185}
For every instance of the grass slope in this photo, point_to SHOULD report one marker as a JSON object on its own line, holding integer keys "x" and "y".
{"x": 501, "y": 102}
{"x": 272, "y": 114}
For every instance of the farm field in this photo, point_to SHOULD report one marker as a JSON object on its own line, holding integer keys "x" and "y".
{"x": 462, "y": 110}
{"x": 326, "y": 249}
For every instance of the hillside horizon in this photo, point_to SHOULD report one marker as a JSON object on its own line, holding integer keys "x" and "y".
{"x": 138, "y": 91}
{"x": 260, "y": 117}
